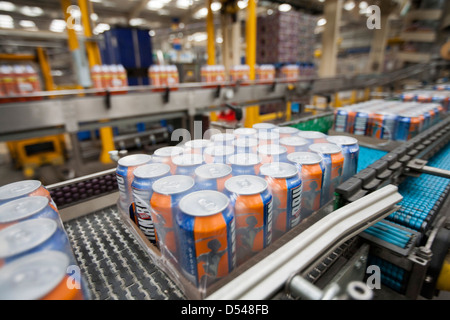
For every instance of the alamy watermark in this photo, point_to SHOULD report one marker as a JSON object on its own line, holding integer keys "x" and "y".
{"x": 74, "y": 279}
{"x": 373, "y": 13}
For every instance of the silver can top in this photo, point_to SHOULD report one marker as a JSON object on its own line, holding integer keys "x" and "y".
{"x": 342, "y": 140}
{"x": 245, "y": 142}
{"x": 223, "y": 137}
{"x": 173, "y": 184}
{"x": 268, "y": 135}
{"x": 22, "y": 208}
{"x": 18, "y": 189}
{"x": 294, "y": 141}
{"x": 264, "y": 126}
{"x": 245, "y": 132}
{"x": 33, "y": 276}
{"x": 311, "y": 134}
{"x": 244, "y": 159}
{"x": 279, "y": 170}
{"x": 219, "y": 150}
{"x": 188, "y": 160}
{"x": 325, "y": 148}
{"x": 304, "y": 158}
{"x": 134, "y": 160}
{"x": 168, "y": 151}
{"x": 272, "y": 149}
{"x": 198, "y": 143}
{"x": 246, "y": 185}
{"x": 26, "y": 235}
{"x": 151, "y": 170}
{"x": 204, "y": 203}
{"x": 286, "y": 130}
{"x": 213, "y": 170}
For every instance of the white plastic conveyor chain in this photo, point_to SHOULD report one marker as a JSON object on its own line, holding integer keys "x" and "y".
{"x": 269, "y": 275}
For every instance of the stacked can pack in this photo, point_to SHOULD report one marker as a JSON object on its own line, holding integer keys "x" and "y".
{"x": 390, "y": 120}
{"x": 220, "y": 201}
{"x": 36, "y": 258}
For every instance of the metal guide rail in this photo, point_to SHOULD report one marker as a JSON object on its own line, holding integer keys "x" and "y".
{"x": 74, "y": 110}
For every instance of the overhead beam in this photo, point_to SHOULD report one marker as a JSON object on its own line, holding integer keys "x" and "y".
{"x": 136, "y": 11}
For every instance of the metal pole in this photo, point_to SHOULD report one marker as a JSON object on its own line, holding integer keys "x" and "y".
{"x": 251, "y": 113}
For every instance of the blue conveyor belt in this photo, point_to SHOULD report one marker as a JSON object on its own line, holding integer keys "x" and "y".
{"x": 367, "y": 156}
{"x": 422, "y": 196}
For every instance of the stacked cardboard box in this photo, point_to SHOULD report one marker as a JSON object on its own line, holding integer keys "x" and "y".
{"x": 285, "y": 37}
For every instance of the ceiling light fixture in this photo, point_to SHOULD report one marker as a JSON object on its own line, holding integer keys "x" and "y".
{"x": 363, "y": 5}
{"x": 136, "y": 22}
{"x": 321, "y": 22}
{"x": 31, "y": 11}
{"x": 285, "y": 7}
{"x": 101, "y": 27}
{"x": 6, "y": 21}
{"x": 349, "y": 5}
{"x": 203, "y": 12}
{"x": 155, "y": 5}
{"x": 57, "y": 25}
{"x": 216, "y": 6}
{"x": 27, "y": 24}
{"x": 7, "y": 6}
{"x": 184, "y": 4}
{"x": 242, "y": 4}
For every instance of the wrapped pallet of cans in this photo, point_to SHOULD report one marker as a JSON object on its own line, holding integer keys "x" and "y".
{"x": 210, "y": 206}
{"x": 390, "y": 120}
{"x": 36, "y": 258}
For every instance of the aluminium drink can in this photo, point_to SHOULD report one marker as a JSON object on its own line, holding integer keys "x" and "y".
{"x": 166, "y": 154}
{"x": 294, "y": 144}
{"x": 286, "y": 131}
{"x": 187, "y": 163}
{"x": 264, "y": 126}
{"x": 313, "y": 136}
{"x": 350, "y": 151}
{"x": 245, "y": 133}
{"x": 142, "y": 189}
{"x": 40, "y": 276}
{"x": 361, "y": 123}
{"x": 268, "y": 137}
{"x": 198, "y": 146}
{"x": 340, "y": 120}
{"x": 212, "y": 176}
{"x": 223, "y": 139}
{"x": 207, "y": 234}
{"x": 125, "y": 176}
{"x": 30, "y": 236}
{"x": 312, "y": 171}
{"x": 245, "y": 164}
{"x": 272, "y": 153}
{"x": 253, "y": 207}
{"x": 245, "y": 145}
{"x": 27, "y": 208}
{"x": 408, "y": 127}
{"x": 167, "y": 193}
{"x": 286, "y": 187}
{"x": 218, "y": 154}
{"x": 334, "y": 165}
{"x": 25, "y": 188}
